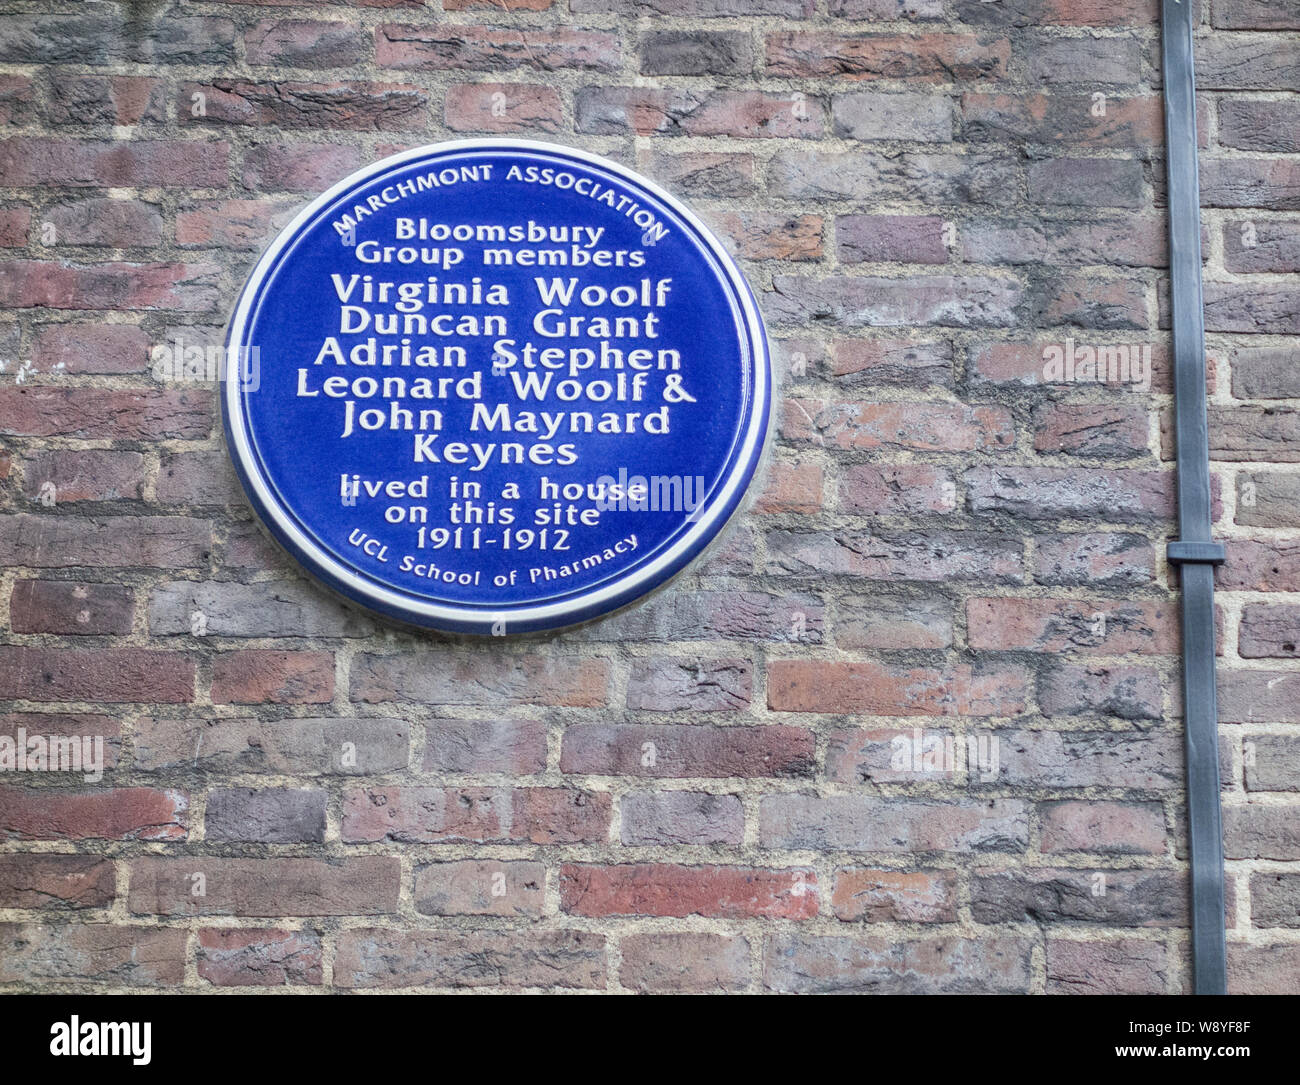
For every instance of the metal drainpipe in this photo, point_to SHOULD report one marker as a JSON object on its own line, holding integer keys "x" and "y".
{"x": 1195, "y": 552}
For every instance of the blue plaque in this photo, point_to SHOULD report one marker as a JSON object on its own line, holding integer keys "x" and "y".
{"x": 496, "y": 386}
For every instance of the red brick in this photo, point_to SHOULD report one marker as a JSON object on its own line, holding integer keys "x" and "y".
{"x": 885, "y": 896}
{"x": 100, "y": 413}
{"x": 113, "y": 163}
{"x": 50, "y": 882}
{"x": 297, "y": 167}
{"x": 1120, "y": 967}
{"x": 670, "y": 750}
{"x": 655, "y": 889}
{"x": 63, "y": 606}
{"x": 264, "y": 676}
{"x": 791, "y": 487}
{"x": 509, "y": 959}
{"x": 57, "y": 542}
{"x": 502, "y": 107}
{"x": 135, "y": 813}
{"x": 796, "y": 685}
{"x": 1096, "y": 627}
{"x": 27, "y": 284}
{"x": 481, "y": 887}
{"x": 904, "y": 489}
{"x": 96, "y": 674}
{"x": 64, "y": 477}
{"x": 1117, "y": 828}
{"x": 91, "y": 348}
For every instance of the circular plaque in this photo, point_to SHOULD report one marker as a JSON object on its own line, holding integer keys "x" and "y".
{"x": 496, "y": 386}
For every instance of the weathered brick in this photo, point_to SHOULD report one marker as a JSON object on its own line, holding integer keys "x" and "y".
{"x": 696, "y": 52}
{"x": 856, "y": 302}
{"x": 1260, "y": 832}
{"x": 265, "y": 815}
{"x": 931, "y": 178}
{"x": 1131, "y": 693}
{"x": 665, "y": 889}
{"x": 656, "y": 818}
{"x": 659, "y": 962}
{"x": 1093, "y": 557}
{"x": 897, "y": 489}
{"x": 1264, "y": 969}
{"x": 489, "y": 48}
{"x": 911, "y": 239}
{"x": 363, "y": 885}
{"x": 1114, "y": 828}
{"x": 502, "y": 107}
{"x": 481, "y": 887}
{"x": 104, "y": 414}
{"x": 1269, "y": 631}
{"x": 258, "y": 957}
{"x": 107, "y": 163}
{"x": 92, "y": 952}
{"x": 297, "y": 167}
{"x": 96, "y": 674}
{"x": 796, "y": 685}
{"x": 689, "y": 685}
{"x": 671, "y": 750}
{"x": 464, "y": 678}
{"x": 1255, "y": 14}
{"x": 538, "y": 815}
{"x": 78, "y": 349}
{"x": 893, "y": 620}
{"x": 885, "y": 896}
{"x": 300, "y": 747}
{"x": 1126, "y": 966}
{"x": 348, "y": 104}
{"x": 55, "y": 882}
{"x": 861, "y": 823}
{"x": 1057, "y": 493}
{"x": 133, "y": 813}
{"x": 303, "y": 43}
{"x": 266, "y": 676}
{"x": 808, "y": 964}
{"x": 26, "y": 284}
{"x": 1251, "y": 247}
{"x": 924, "y": 58}
{"x": 1272, "y": 763}
{"x": 468, "y": 958}
{"x": 925, "y": 427}
{"x": 110, "y": 223}
{"x": 876, "y": 362}
{"x": 1275, "y": 900}
{"x": 897, "y": 554}
{"x": 263, "y": 609}
{"x": 513, "y": 746}
{"x": 1132, "y": 898}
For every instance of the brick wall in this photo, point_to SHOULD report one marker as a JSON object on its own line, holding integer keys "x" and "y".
{"x": 723, "y": 788}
